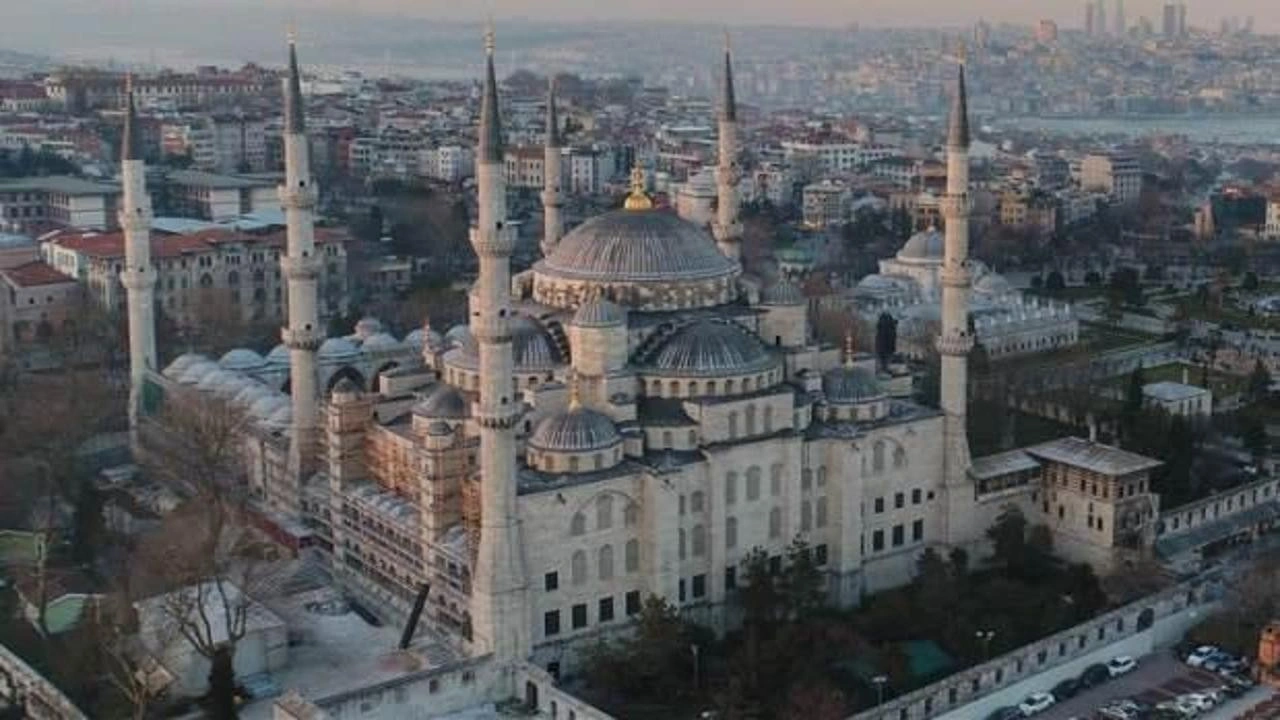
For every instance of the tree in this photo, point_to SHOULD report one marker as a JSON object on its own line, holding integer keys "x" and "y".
{"x": 1253, "y": 435}
{"x": 761, "y": 603}
{"x": 801, "y": 582}
{"x": 1250, "y": 282}
{"x": 222, "y": 685}
{"x": 1037, "y": 282}
{"x": 886, "y": 338}
{"x": 1008, "y": 537}
{"x": 1055, "y": 283}
{"x": 1092, "y": 278}
{"x": 88, "y": 525}
{"x": 814, "y": 700}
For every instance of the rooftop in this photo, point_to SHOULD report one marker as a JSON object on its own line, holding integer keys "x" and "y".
{"x": 1002, "y": 464}
{"x": 1168, "y": 391}
{"x": 218, "y": 182}
{"x": 64, "y": 184}
{"x": 35, "y": 274}
{"x": 1093, "y": 456}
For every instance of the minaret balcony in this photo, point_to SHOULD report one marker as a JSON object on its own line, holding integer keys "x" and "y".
{"x": 298, "y": 198}
{"x": 138, "y": 279}
{"x": 955, "y": 343}
{"x": 955, "y": 204}
{"x": 499, "y": 243}
{"x": 302, "y": 339}
{"x": 137, "y": 220}
{"x": 306, "y": 267}
{"x": 732, "y": 231}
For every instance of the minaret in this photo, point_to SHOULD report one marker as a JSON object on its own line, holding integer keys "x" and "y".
{"x": 138, "y": 277}
{"x": 552, "y": 167}
{"x": 301, "y": 268}
{"x": 499, "y": 605}
{"x": 956, "y": 340}
{"x": 728, "y": 230}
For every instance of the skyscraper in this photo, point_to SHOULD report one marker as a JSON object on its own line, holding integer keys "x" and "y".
{"x": 1169, "y": 28}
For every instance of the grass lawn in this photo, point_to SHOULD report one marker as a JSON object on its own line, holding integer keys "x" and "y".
{"x": 1102, "y": 338}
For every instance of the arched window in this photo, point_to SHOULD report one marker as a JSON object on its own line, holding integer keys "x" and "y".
{"x": 731, "y": 488}
{"x": 820, "y": 514}
{"x": 631, "y": 515}
{"x": 683, "y": 552}
{"x": 206, "y": 281}
{"x": 691, "y": 389}
{"x": 775, "y": 523}
{"x": 753, "y": 483}
{"x": 666, "y": 439}
{"x": 806, "y": 516}
{"x": 731, "y": 532}
{"x": 578, "y": 571}
{"x": 699, "y": 541}
{"x": 605, "y": 566}
{"x": 573, "y": 463}
{"x": 751, "y": 419}
{"x": 632, "y": 554}
{"x": 768, "y": 418}
{"x": 673, "y": 389}
{"x": 877, "y": 457}
{"x": 604, "y": 512}
{"x": 696, "y": 501}
{"x": 899, "y": 458}
{"x": 733, "y": 424}
{"x": 578, "y": 526}
{"x": 822, "y": 476}
{"x": 806, "y": 480}
{"x": 693, "y": 438}
{"x": 233, "y": 279}
{"x": 775, "y": 479}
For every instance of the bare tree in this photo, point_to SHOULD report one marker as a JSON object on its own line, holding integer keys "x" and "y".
{"x": 195, "y": 444}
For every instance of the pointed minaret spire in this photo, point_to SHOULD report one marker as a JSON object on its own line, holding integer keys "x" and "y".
{"x": 728, "y": 102}
{"x": 490, "y": 123}
{"x": 958, "y": 129}
{"x": 553, "y": 118}
{"x": 294, "y": 120}
{"x": 131, "y": 140}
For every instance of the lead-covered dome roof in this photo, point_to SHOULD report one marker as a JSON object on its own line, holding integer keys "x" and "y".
{"x": 709, "y": 348}
{"x": 783, "y": 292}
{"x": 851, "y": 384}
{"x": 575, "y": 430}
{"x": 925, "y": 245}
{"x": 599, "y": 313}
{"x": 637, "y": 245}
{"x": 532, "y": 345}
{"x": 445, "y": 401}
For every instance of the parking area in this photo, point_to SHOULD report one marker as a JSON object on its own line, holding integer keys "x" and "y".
{"x": 1159, "y": 677}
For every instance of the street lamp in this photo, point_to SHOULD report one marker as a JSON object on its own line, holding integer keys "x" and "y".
{"x": 693, "y": 648}
{"x": 985, "y": 636}
{"x": 879, "y": 682}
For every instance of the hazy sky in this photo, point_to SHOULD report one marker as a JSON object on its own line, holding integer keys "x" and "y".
{"x": 815, "y": 12}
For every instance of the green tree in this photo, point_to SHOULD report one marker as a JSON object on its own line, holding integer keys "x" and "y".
{"x": 1037, "y": 282}
{"x": 1008, "y": 536}
{"x": 1250, "y": 281}
{"x": 1055, "y": 283}
{"x": 886, "y": 338}
{"x": 88, "y": 526}
{"x": 801, "y": 582}
{"x": 1253, "y": 435}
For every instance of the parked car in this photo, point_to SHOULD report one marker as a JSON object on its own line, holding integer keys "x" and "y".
{"x": 1094, "y": 675}
{"x": 1216, "y": 661}
{"x": 1036, "y": 703}
{"x": 1200, "y": 701}
{"x": 1066, "y": 689}
{"x": 1196, "y": 657}
{"x": 1005, "y": 713}
{"x": 1121, "y": 665}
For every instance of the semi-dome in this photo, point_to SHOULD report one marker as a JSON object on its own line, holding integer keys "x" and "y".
{"x": 279, "y": 355}
{"x": 926, "y": 245}
{"x": 459, "y": 335}
{"x": 575, "y": 430}
{"x": 445, "y": 401}
{"x": 338, "y": 348}
{"x": 532, "y": 346}
{"x": 197, "y": 371}
{"x": 599, "y": 313}
{"x": 242, "y": 359}
{"x": 710, "y": 348}
{"x": 637, "y": 245}
{"x": 783, "y": 292}
{"x": 851, "y": 384}
{"x": 379, "y": 342}
{"x": 367, "y": 327}
{"x": 181, "y": 363}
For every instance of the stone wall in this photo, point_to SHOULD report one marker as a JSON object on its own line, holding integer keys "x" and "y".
{"x": 21, "y": 686}
{"x": 1135, "y": 629}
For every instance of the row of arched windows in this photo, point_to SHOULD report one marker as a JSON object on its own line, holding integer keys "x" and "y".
{"x": 604, "y": 516}
{"x": 604, "y": 562}
{"x": 749, "y": 415}
{"x": 654, "y": 387}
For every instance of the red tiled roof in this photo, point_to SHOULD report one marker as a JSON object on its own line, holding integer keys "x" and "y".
{"x": 111, "y": 245}
{"x": 36, "y": 273}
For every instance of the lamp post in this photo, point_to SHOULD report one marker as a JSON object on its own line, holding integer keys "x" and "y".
{"x": 985, "y": 636}
{"x": 879, "y": 682}
{"x": 693, "y": 648}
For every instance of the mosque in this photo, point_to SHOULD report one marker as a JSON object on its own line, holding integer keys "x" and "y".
{"x": 632, "y": 416}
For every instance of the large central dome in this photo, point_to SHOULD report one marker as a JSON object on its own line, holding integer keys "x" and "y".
{"x": 640, "y": 258}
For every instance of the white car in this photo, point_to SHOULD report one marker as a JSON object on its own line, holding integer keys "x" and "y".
{"x": 1197, "y": 657}
{"x": 1200, "y": 701}
{"x": 1036, "y": 703}
{"x": 1121, "y": 665}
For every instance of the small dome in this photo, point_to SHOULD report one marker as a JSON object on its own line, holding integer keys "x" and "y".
{"x": 279, "y": 355}
{"x": 925, "y": 245}
{"x": 575, "y": 430}
{"x": 710, "y": 348}
{"x": 380, "y": 342}
{"x": 242, "y": 359}
{"x": 338, "y": 347}
{"x": 367, "y": 327}
{"x": 459, "y": 335}
{"x": 197, "y": 371}
{"x": 237, "y": 383}
{"x": 992, "y": 284}
{"x": 181, "y": 364}
{"x": 533, "y": 347}
{"x": 783, "y": 292}
{"x": 445, "y": 401}
{"x": 847, "y": 385}
{"x": 599, "y": 313}
{"x": 249, "y": 394}
{"x": 216, "y": 380}
{"x": 264, "y": 406}
{"x": 346, "y": 389}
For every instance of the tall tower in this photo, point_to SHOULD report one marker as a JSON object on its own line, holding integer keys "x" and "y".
{"x": 552, "y": 167}
{"x": 301, "y": 268}
{"x": 956, "y": 339}
{"x": 728, "y": 230}
{"x": 138, "y": 276}
{"x": 499, "y": 604}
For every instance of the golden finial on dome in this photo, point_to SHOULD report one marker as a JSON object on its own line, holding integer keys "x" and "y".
{"x": 848, "y": 348}
{"x": 575, "y": 399}
{"x": 638, "y": 199}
